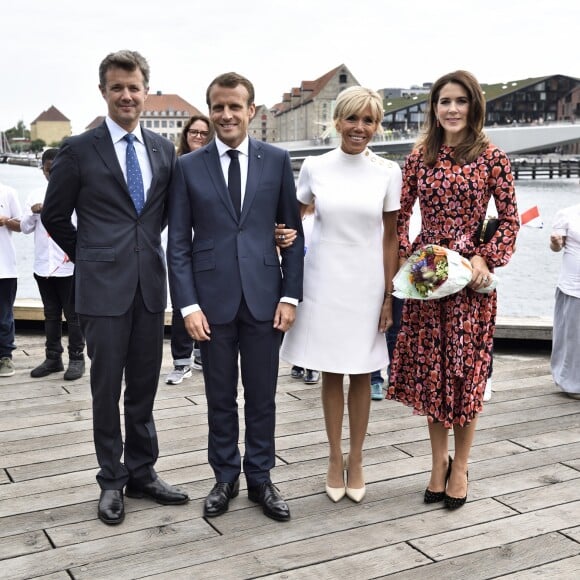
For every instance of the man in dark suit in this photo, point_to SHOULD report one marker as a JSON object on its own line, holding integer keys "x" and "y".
{"x": 116, "y": 177}
{"x": 236, "y": 296}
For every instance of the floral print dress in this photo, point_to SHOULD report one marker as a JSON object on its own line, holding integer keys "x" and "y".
{"x": 443, "y": 352}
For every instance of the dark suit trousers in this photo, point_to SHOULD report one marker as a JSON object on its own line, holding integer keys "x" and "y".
{"x": 258, "y": 345}
{"x": 133, "y": 343}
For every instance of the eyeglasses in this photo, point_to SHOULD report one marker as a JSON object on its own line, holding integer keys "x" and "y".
{"x": 195, "y": 133}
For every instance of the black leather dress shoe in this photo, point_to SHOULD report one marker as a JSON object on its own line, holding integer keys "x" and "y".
{"x": 111, "y": 506}
{"x": 271, "y": 501}
{"x": 157, "y": 490}
{"x": 218, "y": 499}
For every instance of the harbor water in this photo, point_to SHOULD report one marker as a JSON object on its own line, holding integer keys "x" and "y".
{"x": 526, "y": 285}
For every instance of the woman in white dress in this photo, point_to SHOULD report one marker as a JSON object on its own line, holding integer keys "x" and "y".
{"x": 566, "y": 332}
{"x": 348, "y": 272}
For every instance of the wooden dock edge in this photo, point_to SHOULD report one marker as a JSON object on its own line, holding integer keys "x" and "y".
{"x": 507, "y": 327}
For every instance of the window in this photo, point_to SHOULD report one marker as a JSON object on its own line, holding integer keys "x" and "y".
{"x": 342, "y": 79}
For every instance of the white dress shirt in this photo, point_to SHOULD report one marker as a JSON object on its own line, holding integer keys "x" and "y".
{"x": 9, "y": 207}
{"x": 117, "y": 135}
{"x": 225, "y": 161}
{"x": 49, "y": 259}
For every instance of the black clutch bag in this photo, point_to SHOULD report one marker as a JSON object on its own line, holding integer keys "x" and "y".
{"x": 486, "y": 229}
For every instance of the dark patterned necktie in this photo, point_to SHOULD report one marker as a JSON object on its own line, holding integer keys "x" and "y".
{"x": 235, "y": 180}
{"x": 134, "y": 177}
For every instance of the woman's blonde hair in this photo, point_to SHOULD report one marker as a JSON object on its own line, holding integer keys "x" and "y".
{"x": 353, "y": 100}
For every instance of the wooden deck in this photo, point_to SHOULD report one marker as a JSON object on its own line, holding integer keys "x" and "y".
{"x": 522, "y": 519}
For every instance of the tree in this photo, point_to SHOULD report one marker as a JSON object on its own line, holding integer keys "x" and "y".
{"x": 18, "y": 132}
{"x": 37, "y": 145}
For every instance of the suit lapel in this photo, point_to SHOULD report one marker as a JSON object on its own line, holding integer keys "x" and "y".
{"x": 214, "y": 169}
{"x": 154, "y": 154}
{"x": 106, "y": 150}
{"x": 255, "y": 168}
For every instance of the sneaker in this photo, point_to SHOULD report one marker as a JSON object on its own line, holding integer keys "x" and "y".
{"x": 6, "y": 367}
{"x": 75, "y": 370}
{"x": 487, "y": 393}
{"x": 377, "y": 391}
{"x": 178, "y": 374}
{"x": 311, "y": 377}
{"x": 297, "y": 372}
{"x": 49, "y": 366}
{"x": 197, "y": 363}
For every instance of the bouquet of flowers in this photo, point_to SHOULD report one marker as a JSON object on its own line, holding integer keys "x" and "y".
{"x": 434, "y": 272}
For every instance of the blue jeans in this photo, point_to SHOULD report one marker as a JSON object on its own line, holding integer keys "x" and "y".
{"x": 391, "y": 336}
{"x": 7, "y": 331}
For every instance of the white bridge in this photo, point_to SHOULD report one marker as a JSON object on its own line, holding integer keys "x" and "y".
{"x": 513, "y": 140}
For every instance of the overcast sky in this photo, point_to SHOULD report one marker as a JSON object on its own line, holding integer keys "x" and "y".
{"x": 51, "y": 50}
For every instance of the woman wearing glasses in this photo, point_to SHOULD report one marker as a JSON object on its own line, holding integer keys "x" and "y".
{"x": 196, "y": 133}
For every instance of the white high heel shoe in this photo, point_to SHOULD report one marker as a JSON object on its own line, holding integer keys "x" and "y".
{"x": 356, "y": 494}
{"x": 336, "y": 493}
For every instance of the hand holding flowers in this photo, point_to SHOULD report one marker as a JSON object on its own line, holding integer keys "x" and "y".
{"x": 433, "y": 272}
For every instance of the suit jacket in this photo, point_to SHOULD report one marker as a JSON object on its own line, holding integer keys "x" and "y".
{"x": 113, "y": 248}
{"x": 228, "y": 257}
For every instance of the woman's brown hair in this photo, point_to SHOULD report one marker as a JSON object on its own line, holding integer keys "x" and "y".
{"x": 183, "y": 147}
{"x": 432, "y": 137}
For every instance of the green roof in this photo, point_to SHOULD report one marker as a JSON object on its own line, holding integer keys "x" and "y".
{"x": 491, "y": 92}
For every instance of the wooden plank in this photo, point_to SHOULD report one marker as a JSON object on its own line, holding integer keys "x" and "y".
{"x": 515, "y": 560}
{"x": 21, "y": 544}
{"x": 309, "y": 542}
{"x": 147, "y": 515}
{"x": 542, "y": 496}
{"x": 31, "y": 565}
{"x": 496, "y": 533}
{"x": 543, "y": 440}
{"x": 525, "y": 463}
{"x": 561, "y": 570}
{"x": 361, "y": 564}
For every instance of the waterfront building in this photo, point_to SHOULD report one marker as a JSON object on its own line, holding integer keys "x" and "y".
{"x": 95, "y": 122}
{"x": 163, "y": 114}
{"x": 532, "y": 100}
{"x": 263, "y": 125}
{"x": 167, "y": 114}
{"x": 401, "y": 93}
{"x": 51, "y": 126}
{"x": 305, "y": 112}
{"x": 569, "y": 110}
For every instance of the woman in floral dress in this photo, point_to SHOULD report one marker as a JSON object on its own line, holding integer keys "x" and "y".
{"x": 443, "y": 349}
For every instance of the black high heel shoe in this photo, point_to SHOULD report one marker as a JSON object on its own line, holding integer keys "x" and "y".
{"x": 452, "y": 503}
{"x": 435, "y": 496}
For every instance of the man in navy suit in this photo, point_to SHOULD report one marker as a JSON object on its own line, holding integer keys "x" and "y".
{"x": 236, "y": 295}
{"x": 120, "y": 277}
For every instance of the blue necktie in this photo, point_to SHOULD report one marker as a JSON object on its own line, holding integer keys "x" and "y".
{"x": 235, "y": 181}
{"x": 134, "y": 177}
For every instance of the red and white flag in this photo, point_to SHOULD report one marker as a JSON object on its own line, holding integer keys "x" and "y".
{"x": 531, "y": 217}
